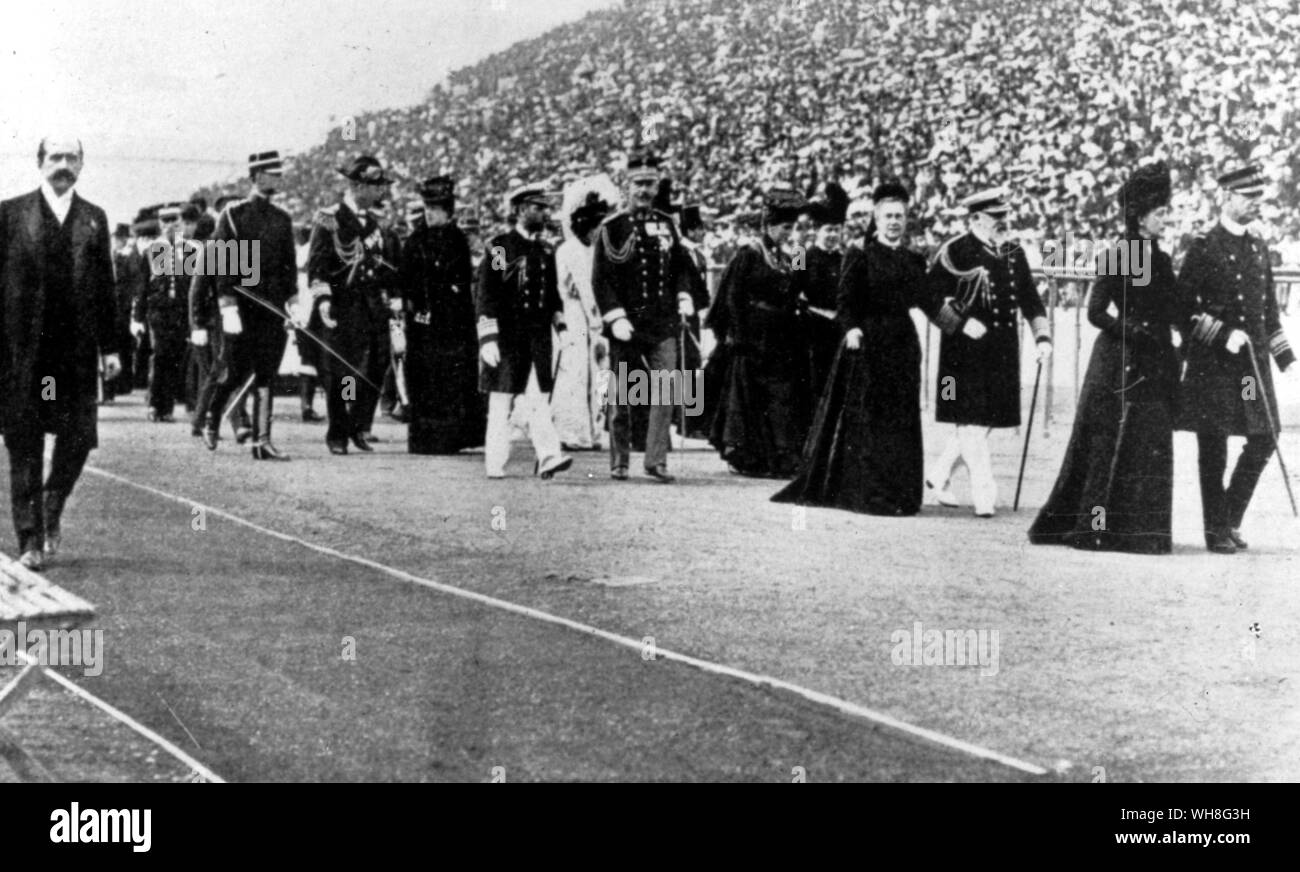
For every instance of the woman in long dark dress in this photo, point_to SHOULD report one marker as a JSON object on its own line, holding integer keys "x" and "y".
{"x": 1115, "y": 488}
{"x": 754, "y": 428}
{"x": 446, "y": 411}
{"x": 864, "y": 452}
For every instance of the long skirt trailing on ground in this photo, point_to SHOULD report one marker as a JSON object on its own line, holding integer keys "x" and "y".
{"x": 447, "y": 411}
{"x": 864, "y": 452}
{"x": 1115, "y": 488}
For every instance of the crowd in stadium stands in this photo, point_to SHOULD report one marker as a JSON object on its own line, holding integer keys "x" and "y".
{"x": 1059, "y": 99}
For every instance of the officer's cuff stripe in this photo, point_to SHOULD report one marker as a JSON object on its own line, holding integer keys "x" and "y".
{"x": 949, "y": 319}
{"x": 486, "y": 327}
{"x": 1277, "y": 343}
{"x": 614, "y": 314}
{"x": 1038, "y": 325}
{"x": 1206, "y": 328}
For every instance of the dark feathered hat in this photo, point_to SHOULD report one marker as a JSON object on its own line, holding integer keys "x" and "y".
{"x": 782, "y": 204}
{"x": 891, "y": 190}
{"x": 1148, "y": 188}
{"x": 832, "y": 207}
{"x": 588, "y": 216}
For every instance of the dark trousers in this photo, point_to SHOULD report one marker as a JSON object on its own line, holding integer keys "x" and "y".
{"x": 256, "y": 352}
{"x": 166, "y": 368}
{"x": 663, "y": 357}
{"x": 1225, "y": 507}
{"x": 377, "y": 359}
{"x": 38, "y": 502}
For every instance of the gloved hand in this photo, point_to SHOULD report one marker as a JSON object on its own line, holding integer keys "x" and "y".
{"x": 1044, "y": 350}
{"x": 230, "y": 322}
{"x": 622, "y": 330}
{"x": 1236, "y": 341}
{"x": 491, "y": 354}
{"x": 112, "y": 366}
{"x": 685, "y": 305}
{"x": 974, "y": 329}
{"x": 853, "y": 339}
{"x": 137, "y": 329}
{"x": 198, "y": 338}
{"x": 325, "y": 316}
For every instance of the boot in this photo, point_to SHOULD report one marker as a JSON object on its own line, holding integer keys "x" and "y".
{"x": 262, "y": 447}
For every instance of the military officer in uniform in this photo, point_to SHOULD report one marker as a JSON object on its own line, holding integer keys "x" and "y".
{"x": 645, "y": 285}
{"x": 983, "y": 280}
{"x": 517, "y": 304}
{"x": 160, "y": 307}
{"x": 352, "y": 267}
{"x": 1226, "y": 291}
{"x": 248, "y": 320}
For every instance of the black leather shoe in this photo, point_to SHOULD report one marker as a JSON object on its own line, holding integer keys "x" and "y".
{"x": 660, "y": 474}
{"x": 361, "y": 443}
{"x": 210, "y": 440}
{"x": 1220, "y": 543}
{"x": 267, "y": 451}
{"x": 618, "y": 473}
{"x": 338, "y": 447}
{"x": 1235, "y": 536}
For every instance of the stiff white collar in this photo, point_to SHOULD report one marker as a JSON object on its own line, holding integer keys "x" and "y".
{"x": 1232, "y": 226}
{"x": 58, "y": 204}
{"x": 351, "y": 202}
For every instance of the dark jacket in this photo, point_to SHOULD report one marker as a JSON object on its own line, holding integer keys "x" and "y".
{"x": 258, "y": 220}
{"x": 1226, "y": 284}
{"x": 44, "y": 266}
{"x": 517, "y": 304}
{"x": 640, "y": 269}
{"x": 979, "y": 379}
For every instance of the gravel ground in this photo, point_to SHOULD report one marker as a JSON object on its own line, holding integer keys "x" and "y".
{"x": 1169, "y": 669}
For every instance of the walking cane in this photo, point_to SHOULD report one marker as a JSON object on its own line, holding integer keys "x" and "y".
{"x": 682, "y": 371}
{"x": 1272, "y": 431}
{"x": 1029, "y": 428}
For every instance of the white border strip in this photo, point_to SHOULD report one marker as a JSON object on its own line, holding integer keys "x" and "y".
{"x": 816, "y": 696}
{"x": 131, "y": 722}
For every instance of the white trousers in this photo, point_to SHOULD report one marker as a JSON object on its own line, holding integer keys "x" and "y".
{"x": 969, "y": 444}
{"x": 537, "y": 419}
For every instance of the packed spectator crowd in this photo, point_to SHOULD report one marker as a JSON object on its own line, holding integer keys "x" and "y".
{"x": 1059, "y": 99}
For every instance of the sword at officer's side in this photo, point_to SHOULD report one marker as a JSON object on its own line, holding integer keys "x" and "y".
{"x": 1272, "y": 429}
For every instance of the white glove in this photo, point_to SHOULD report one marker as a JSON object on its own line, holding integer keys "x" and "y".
{"x": 395, "y": 305}
{"x": 137, "y": 329}
{"x": 1044, "y": 350}
{"x": 112, "y": 366}
{"x": 491, "y": 354}
{"x": 685, "y": 306}
{"x": 974, "y": 329}
{"x": 325, "y": 316}
{"x": 198, "y": 338}
{"x": 622, "y": 330}
{"x": 1236, "y": 340}
{"x": 230, "y": 322}
{"x": 853, "y": 339}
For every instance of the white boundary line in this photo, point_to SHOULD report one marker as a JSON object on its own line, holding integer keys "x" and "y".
{"x": 841, "y": 705}
{"x": 131, "y": 722}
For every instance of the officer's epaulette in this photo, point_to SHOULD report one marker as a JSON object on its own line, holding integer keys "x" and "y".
{"x": 327, "y": 217}
{"x": 614, "y": 216}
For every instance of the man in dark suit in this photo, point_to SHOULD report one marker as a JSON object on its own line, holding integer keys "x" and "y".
{"x": 56, "y": 321}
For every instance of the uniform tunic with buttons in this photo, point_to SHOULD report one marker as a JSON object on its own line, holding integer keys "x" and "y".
{"x": 639, "y": 269}
{"x": 517, "y": 302}
{"x": 979, "y": 379}
{"x": 1227, "y": 284}
{"x": 358, "y": 260}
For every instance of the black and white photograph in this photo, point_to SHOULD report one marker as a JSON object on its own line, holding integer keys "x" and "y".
{"x": 787, "y": 391}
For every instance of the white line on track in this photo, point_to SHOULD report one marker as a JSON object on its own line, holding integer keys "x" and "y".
{"x": 834, "y": 702}
{"x": 205, "y": 772}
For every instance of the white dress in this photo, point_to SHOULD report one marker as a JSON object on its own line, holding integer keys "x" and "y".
{"x": 577, "y": 405}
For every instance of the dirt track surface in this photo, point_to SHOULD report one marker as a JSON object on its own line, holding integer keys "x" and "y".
{"x": 1174, "y": 668}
